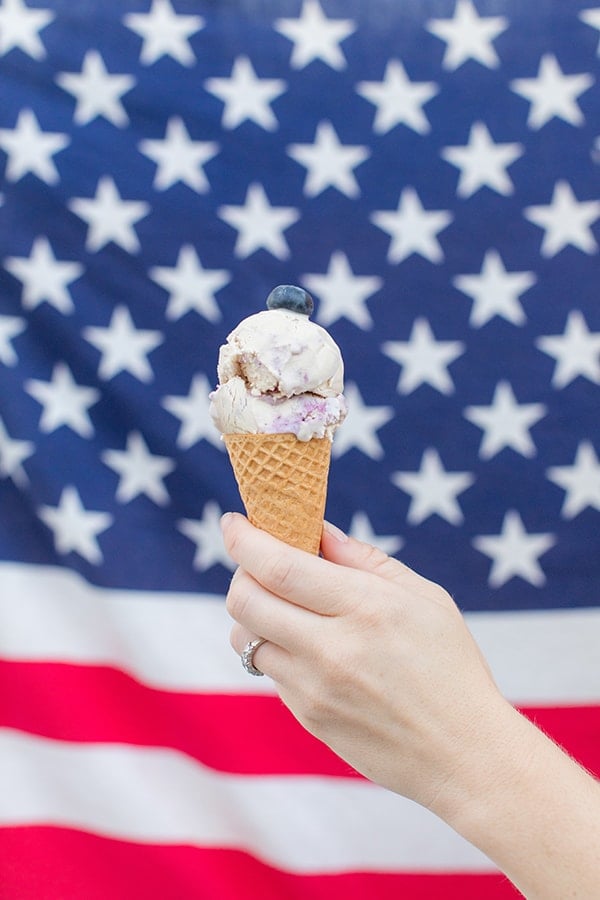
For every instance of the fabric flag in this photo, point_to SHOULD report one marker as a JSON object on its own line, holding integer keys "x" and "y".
{"x": 430, "y": 172}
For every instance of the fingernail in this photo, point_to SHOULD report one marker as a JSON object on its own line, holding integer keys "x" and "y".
{"x": 225, "y": 518}
{"x": 335, "y": 532}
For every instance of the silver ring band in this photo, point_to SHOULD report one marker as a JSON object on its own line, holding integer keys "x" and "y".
{"x": 248, "y": 656}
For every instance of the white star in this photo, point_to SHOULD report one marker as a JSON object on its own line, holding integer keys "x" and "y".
{"x": 482, "y": 163}
{"x": 10, "y": 327}
{"x": 362, "y": 530}
{"x": 123, "y": 347}
{"x": 341, "y": 293}
{"x": 44, "y": 277}
{"x": 398, "y": 99}
{"x": 468, "y": 36}
{"x": 179, "y": 158}
{"x": 315, "y": 36}
{"x": 75, "y": 528}
{"x": 565, "y": 221}
{"x": 259, "y": 225}
{"x": 192, "y": 411}
{"x": 12, "y": 454}
{"x": 552, "y": 94}
{"x": 581, "y": 481}
{"x": 19, "y": 27}
{"x": 245, "y": 96}
{"x": 30, "y": 149}
{"x": 505, "y": 423}
{"x": 191, "y": 287}
{"x": 412, "y": 228}
{"x": 514, "y": 552}
{"x": 140, "y": 472}
{"x": 165, "y": 33}
{"x": 360, "y": 426}
{"x": 495, "y": 291}
{"x": 205, "y": 533}
{"x": 433, "y": 489}
{"x": 109, "y": 217}
{"x": 328, "y": 162}
{"x": 96, "y": 91}
{"x": 65, "y": 402}
{"x": 424, "y": 360}
{"x": 577, "y": 351}
{"x": 591, "y": 17}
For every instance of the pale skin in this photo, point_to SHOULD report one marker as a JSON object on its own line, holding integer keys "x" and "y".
{"x": 378, "y": 663}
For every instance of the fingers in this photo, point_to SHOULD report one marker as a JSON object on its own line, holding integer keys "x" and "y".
{"x": 299, "y": 577}
{"x": 344, "y": 550}
{"x": 328, "y": 586}
{"x": 351, "y": 577}
{"x": 262, "y": 614}
{"x": 268, "y": 658}
{"x": 240, "y": 637}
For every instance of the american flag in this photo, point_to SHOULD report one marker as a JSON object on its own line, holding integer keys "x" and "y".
{"x": 430, "y": 172}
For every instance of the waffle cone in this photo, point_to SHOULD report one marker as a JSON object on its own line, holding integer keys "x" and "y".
{"x": 283, "y": 484}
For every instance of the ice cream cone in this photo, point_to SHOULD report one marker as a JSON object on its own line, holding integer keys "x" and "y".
{"x": 283, "y": 484}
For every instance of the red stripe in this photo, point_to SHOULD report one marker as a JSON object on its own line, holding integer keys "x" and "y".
{"x": 100, "y": 704}
{"x": 60, "y": 864}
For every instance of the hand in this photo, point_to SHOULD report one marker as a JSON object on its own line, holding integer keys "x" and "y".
{"x": 378, "y": 663}
{"x": 373, "y": 659}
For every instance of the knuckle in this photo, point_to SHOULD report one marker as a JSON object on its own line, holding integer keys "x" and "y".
{"x": 280, "y": 574}
{"x": 379, "y": 563}
{"x": 440, "y": 595}
{"x": 316, "y": 708}
{"x": 374, "y": 557}
{"x": 236, "y": 602}
{"x": 371, "y": 616}
{"x": 236, "y": 638}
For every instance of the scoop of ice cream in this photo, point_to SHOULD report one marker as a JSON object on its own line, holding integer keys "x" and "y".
{"x": 282, "y": 352}
{"x": 279, "y": 372}
{"x": 236, "y": 410}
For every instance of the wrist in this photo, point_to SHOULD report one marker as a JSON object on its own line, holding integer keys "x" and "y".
{"x": 492, "y": 757}
{"x": 512, "y": 787}
{"x": 495, "y": 765}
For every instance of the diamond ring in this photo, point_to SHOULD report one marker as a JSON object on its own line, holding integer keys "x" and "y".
{"x": 248, "y": 655}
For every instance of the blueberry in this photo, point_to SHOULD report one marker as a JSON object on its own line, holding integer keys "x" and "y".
{"x": 288, "y": 296}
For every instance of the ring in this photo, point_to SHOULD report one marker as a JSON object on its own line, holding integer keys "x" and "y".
{"x": 248, "y": 655}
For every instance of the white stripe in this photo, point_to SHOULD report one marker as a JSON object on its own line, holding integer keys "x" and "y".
{"x": 181, "y": 641}
{"x": 159, "y": 796}
{"x": 167, "y": 640}
{"x": 542, "y": 656}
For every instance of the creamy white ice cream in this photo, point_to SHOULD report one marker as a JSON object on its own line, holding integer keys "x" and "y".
{"x": 279, "y": 373}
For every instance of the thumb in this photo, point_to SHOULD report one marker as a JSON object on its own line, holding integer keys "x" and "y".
{"x": 340, "y": 548}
